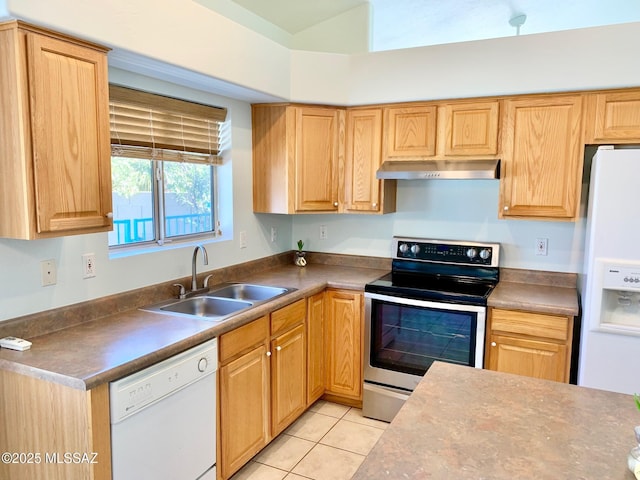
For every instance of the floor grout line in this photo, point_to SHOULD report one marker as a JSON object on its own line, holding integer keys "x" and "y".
{"x": 318, "y": 442}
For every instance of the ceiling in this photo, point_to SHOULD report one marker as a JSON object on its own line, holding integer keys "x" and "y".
{"x": 411, "y": 23}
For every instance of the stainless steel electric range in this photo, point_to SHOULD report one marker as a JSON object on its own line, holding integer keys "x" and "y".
{"x": 431, "y": 306}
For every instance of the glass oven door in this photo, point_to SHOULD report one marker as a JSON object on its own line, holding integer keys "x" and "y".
{"x": 403, "y": 337}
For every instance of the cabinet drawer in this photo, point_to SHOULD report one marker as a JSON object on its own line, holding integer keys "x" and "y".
{"x": 236, "y": 341}
{"x": 288, "y": 316}
{"x": 533, "y": 324}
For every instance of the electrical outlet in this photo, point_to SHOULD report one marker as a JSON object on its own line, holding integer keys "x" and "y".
{"x": 274, "y": 234}
{"x": 542, "y": 245}
{"x": 88, "y": 265}
{"x": 243, "y": 239}
{"x": 323, "y": 232}
{"x": 48, "y": 269}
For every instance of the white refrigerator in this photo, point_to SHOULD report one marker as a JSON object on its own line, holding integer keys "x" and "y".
{"x": 610, "y": 333}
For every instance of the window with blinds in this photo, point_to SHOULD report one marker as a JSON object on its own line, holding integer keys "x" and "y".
{"x": 164, "y": 153}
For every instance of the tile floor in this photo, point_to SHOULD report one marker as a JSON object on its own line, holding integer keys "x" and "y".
{"x": 328, "y": 442}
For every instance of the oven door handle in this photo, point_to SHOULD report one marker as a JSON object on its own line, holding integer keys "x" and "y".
{"x": 425, "y": 303}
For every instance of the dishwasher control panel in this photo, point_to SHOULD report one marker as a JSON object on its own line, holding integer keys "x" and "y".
{"x": 130, "y": 394}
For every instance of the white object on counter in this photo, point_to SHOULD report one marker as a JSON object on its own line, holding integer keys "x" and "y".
{"x": 14, "y": 343}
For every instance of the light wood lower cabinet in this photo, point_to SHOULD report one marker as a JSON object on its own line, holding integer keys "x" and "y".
{"x": 243, "y": 395}
{"x": 288, "y": 378}
{"x": 43, "y": 420}
{"x": 262, "y": 379}
{"x": 344, "y": 334}
{"x": 532, "y": 344}
{"x": 315, "y": 347}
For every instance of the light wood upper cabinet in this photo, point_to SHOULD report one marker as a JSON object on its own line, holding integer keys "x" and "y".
{"x": 542, "y": 157}
{"x": 317, "y": 149}
{"x": 471, "y": 129}
{"x": 441, "y": 131}
{"x": 297, "y": 151}
{"x": 532, "y": 344}
{"x": 410, "y": 132}
{"x": 343, "y": 337}
{"x": 613, "y": 117}
{"x": 362, "y": 190}
{"x": 55, "y": 158}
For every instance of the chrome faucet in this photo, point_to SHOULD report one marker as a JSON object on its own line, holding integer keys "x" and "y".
{"x": 205, "y": 259}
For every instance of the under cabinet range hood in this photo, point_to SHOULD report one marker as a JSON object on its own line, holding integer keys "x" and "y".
{"x": 439, "y": 169}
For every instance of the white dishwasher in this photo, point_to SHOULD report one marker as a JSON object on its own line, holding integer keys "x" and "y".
{"x": 163, "y": 419}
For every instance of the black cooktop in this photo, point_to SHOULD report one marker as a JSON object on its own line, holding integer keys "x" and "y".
{"x": 432, "y": 288}
{"x": 440, "y": 283}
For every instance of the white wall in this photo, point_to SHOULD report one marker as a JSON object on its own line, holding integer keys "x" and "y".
{"x": 352, "y": 25}
{"x": 599, "y": 57}
{"x": 181, "y": 33}
{"x": 447, "y": 210}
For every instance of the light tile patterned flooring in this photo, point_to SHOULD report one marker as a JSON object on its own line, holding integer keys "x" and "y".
{"x": 328, "y": 442}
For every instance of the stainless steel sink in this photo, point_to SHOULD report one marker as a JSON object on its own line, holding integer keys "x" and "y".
{"x": 248, "y": 292}
{"x": 219, "y": 302}
{"x": 206, "y": 306}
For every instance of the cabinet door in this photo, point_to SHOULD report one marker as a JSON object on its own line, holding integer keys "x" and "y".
{"x": 344, "y": 337}
{"x": 542, "y": 158}
{"x": 410, "y": 132}
{"x": 244, "y": 409}
{"x": 532, "y": 358}
{"x": 362, "y": 160}
{"x": 315, "y": 347}
{"x": 317, "y": 150}
{"x": 528, "y": 343}
{"x": 288, "y": 378}
{"x": 70, "y": 128}
{"x": 471, "y": 128}
{"x": 613, "y": 117}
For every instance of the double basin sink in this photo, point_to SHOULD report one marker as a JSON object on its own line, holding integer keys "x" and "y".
{"x": 219, "y": 302}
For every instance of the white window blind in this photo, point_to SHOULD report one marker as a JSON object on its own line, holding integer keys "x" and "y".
{"x": 155, "y": 127}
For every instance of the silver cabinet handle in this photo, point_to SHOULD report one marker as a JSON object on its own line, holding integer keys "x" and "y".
{"x": 335, "y": 204}
{"x": 506, "y": 207}
{"x": 268, "y": 354}
{"x": 493, "y": 344}
{"x": 278, "y": 348}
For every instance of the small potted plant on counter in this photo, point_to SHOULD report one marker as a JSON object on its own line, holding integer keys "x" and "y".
{"x": 300, "y": 254}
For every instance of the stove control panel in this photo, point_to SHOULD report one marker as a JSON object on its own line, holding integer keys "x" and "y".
{"x": 446, "y": 251}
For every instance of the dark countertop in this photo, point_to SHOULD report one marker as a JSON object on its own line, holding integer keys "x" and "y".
{"x": 95, "y": 352}
{"x": 535, "y": 298}
{"x": 536, "y": 291}
{"x": 466, "y": 423}
{"x": 88, "y": 354}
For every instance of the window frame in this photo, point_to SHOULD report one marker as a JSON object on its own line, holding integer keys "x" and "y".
{"x": 139, "y": 143}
